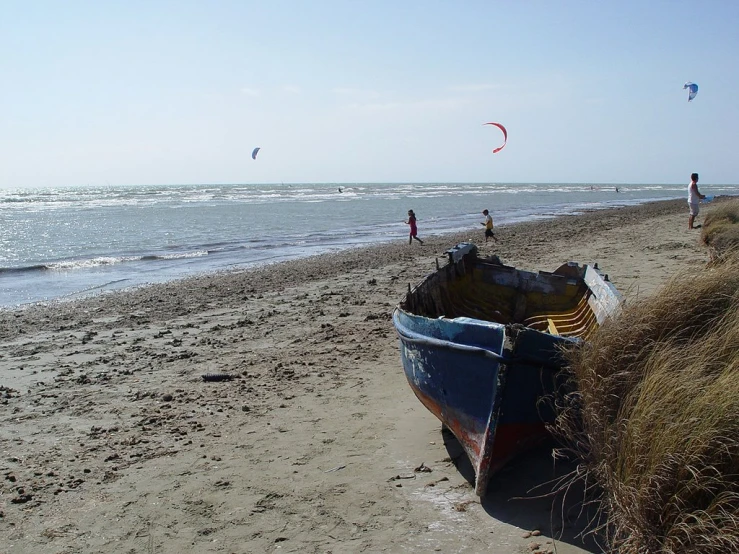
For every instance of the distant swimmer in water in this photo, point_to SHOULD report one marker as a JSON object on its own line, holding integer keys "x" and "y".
{"x": 616, "y": 189}
{"x": 340, "y": 190}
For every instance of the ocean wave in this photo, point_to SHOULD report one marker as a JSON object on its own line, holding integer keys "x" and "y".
{"x": 28, "y": 268}
{"x": 99, "y": 261}
{"x": 175, "y": 197}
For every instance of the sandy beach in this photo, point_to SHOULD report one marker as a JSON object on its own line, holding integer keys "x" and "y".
{"x": 111, "y": 441}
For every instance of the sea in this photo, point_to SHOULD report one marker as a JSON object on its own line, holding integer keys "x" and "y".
{"x": 65, "y": 243}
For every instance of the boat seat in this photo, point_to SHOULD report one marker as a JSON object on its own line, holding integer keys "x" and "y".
{"x": 577, "y": 321}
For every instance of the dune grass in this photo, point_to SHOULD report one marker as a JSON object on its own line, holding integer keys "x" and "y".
{"x": 655, "y": 418}
{"x": 720, "y": 230}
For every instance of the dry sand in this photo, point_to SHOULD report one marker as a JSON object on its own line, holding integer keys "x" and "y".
{"x": 114, "y": 443}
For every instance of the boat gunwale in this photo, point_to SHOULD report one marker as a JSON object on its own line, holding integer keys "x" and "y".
{"x": 417, "y": 338}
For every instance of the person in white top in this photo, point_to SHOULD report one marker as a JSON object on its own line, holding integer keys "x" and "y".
{"x": 694, "y": 198}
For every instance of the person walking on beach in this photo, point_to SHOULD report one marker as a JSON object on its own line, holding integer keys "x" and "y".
{"x": 488, "y": 224}
{"x": 414, "y": 229}
{"x": 694, "y": 198}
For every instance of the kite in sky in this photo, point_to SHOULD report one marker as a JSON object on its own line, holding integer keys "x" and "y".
{"x": 692, "y": 90}
{"x": 254, "y": 153}
{"x": 505, "y": 136}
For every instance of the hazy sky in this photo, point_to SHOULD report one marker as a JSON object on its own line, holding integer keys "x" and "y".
{"x": 157, "y": 92}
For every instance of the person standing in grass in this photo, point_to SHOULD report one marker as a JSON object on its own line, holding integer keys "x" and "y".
{"x": 694, "y": 198}
{"x": 488, "y": 224}
{"x": 414, "y": 229}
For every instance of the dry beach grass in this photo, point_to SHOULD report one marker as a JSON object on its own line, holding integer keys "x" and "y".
{"x": 657, "y": 395}
{"x": 111, "y": 441}
{"x": 720, "y": 232}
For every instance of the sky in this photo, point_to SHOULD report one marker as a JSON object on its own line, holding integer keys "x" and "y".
{"x": 348, "y": 91}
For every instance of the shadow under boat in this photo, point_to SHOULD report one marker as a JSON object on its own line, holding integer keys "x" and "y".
{"x": 481, "y": 346}
{"x": 536, "y": 492}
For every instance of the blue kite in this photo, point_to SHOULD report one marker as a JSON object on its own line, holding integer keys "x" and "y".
{"x": 254, "y": 153}
{"x": 692, "y": 90}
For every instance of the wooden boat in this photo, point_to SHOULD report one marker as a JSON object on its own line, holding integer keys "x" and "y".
{"x": 481, "y": 345}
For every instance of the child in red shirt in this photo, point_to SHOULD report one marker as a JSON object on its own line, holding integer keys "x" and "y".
{"x": 414, "y": 230}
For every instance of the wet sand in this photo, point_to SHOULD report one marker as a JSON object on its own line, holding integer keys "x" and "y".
{"x": 111, "y": 441}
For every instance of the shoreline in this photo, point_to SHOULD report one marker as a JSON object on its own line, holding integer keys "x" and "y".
{"x": 394, "y": 250}
{"x": 85, "y": 274}
{"x": 118, "y": 444}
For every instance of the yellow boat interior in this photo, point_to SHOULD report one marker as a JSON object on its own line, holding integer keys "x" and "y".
{"x": 555, "y": 303}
